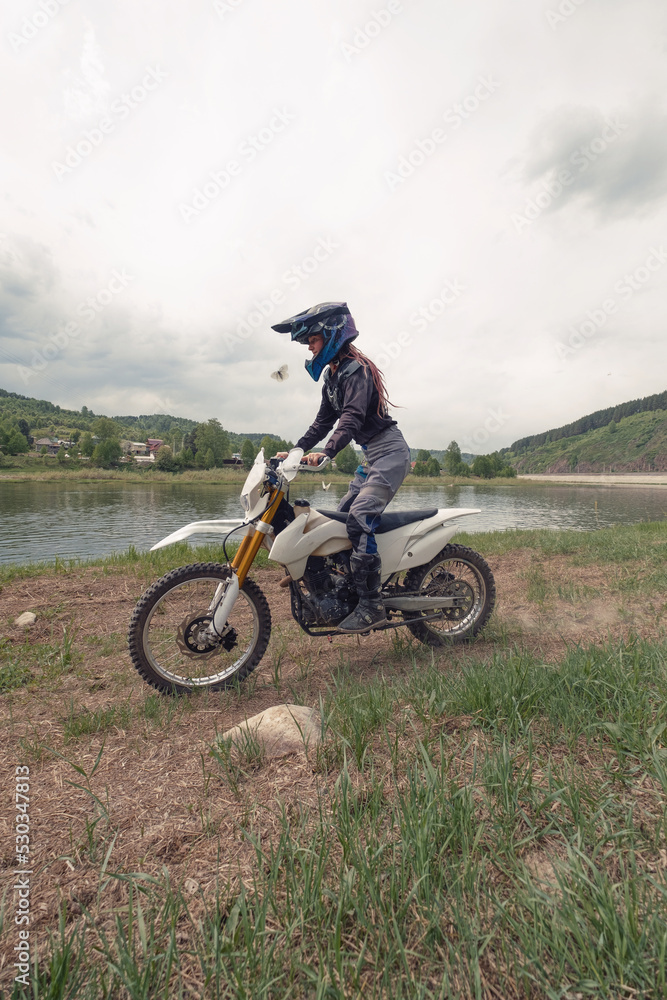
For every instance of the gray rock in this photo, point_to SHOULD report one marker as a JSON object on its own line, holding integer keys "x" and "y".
{"x": 26, "y": 619}
{"x": 281, "y": 729}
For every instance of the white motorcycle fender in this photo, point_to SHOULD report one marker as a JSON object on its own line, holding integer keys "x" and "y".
{"x": 426, "y": 539}
{"x": 201, "y": 528}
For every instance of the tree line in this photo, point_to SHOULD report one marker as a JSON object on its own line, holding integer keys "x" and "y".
{"x": 484, "y": 466}
{"x": 191, "y": 445}
{"x": 209, "y": 445}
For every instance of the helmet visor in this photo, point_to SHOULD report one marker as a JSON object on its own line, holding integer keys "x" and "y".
{"x": 302, "y": 331}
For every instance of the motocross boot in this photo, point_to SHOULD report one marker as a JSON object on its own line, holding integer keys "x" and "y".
{"x": 369, "y": 612}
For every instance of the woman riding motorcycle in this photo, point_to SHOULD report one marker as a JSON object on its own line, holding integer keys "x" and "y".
{"x": 354, "y": 395}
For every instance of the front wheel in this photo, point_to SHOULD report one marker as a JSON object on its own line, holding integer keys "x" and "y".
{"x": 455, "y": 572}
{"x": 167, "y": 638}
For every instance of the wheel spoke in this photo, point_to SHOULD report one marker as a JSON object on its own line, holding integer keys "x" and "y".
{"x": 169, "y": 642}
{"x": 164, "y": 628}
{"x": 457, "y": 573}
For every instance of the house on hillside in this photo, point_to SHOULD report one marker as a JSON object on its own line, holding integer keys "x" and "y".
{"x": 143, "y": 452}
{"x": 51, "y": 444}
{"x": 152, "y": 444}
{"x": 134, "y": 447}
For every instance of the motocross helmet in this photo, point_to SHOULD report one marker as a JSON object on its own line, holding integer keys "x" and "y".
{"x": 332, "y": 320}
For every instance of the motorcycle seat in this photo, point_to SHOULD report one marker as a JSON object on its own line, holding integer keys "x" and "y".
{"x": 388, "y": 522}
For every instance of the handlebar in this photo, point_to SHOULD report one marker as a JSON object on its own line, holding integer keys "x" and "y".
{"x": 295, "y": 460}
{"x": 275, "y": 462}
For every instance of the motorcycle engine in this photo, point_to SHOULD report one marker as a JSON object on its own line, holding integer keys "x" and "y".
{"x": 328, "y": 592}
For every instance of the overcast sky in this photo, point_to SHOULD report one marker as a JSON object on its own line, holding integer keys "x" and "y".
{"x": 484, "y": 183}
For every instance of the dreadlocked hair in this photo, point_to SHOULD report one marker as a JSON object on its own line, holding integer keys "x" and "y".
{"x": 350, "y": 351}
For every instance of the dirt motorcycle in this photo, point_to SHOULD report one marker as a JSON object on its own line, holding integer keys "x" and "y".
{"x": 207, "y": 625}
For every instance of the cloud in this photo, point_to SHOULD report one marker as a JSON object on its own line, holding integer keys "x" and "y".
{"x": 27, "y": 271}
{"x": 615, "y": 162}
{"x": 248, "y": 259}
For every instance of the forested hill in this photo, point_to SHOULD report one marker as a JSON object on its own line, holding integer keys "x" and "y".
{"x": 631, "y": 437}
{"x": 40, "y": 418}
{"x": 48, "y": 419}
{"x": 601, "y": 418}
{"x": 40, "y": 414}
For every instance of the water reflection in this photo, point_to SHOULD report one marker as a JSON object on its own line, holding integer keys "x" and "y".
{"x": 41, "y": 520}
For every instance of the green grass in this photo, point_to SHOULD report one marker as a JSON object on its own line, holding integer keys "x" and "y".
{"x": 84, "y": 722}
{"x": 13, "y": 673}
{"x": 43, "y": 661}
{"x": 618, "y": 544}
{"x": 636, "y": 549}
{"x": 494, "y": 832}
{"x": 492, "y": 829}
{"x": 155, "y": 710}
{"x": 109, "y": 644}
{"x": 151, "y": 564}
{"x": 635, "y": 554}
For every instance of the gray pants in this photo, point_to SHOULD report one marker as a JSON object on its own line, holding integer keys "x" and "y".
{"x": 387, "y": 463}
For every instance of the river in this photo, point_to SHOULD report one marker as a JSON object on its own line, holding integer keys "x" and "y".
{"x": 40, "y": 521}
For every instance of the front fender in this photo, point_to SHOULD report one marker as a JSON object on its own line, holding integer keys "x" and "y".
{"x": 201, "y": 528}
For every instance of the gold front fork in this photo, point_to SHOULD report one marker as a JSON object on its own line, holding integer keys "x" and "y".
{"x": 249, "y": 547}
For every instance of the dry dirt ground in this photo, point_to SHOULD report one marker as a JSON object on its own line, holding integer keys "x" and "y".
{"x": 166, "y": 799}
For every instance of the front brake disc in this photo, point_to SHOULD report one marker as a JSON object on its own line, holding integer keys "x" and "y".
{"x": 192, "y": 639}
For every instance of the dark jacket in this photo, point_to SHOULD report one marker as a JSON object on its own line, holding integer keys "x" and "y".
{"x": 349, "y": 396}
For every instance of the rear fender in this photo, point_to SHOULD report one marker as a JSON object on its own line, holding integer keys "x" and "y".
{"x": 425, "y": 540}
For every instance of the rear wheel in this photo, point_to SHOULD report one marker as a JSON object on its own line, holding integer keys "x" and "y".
{"x": 455, "y": 572}
{"x": 167, "y": 638}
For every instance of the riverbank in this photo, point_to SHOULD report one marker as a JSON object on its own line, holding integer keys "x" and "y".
{"x": 599, "y": 478}
{"x": 478, "y": 816}
{"x": 19, "y": 469}
{"x": 36, "y": 472}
